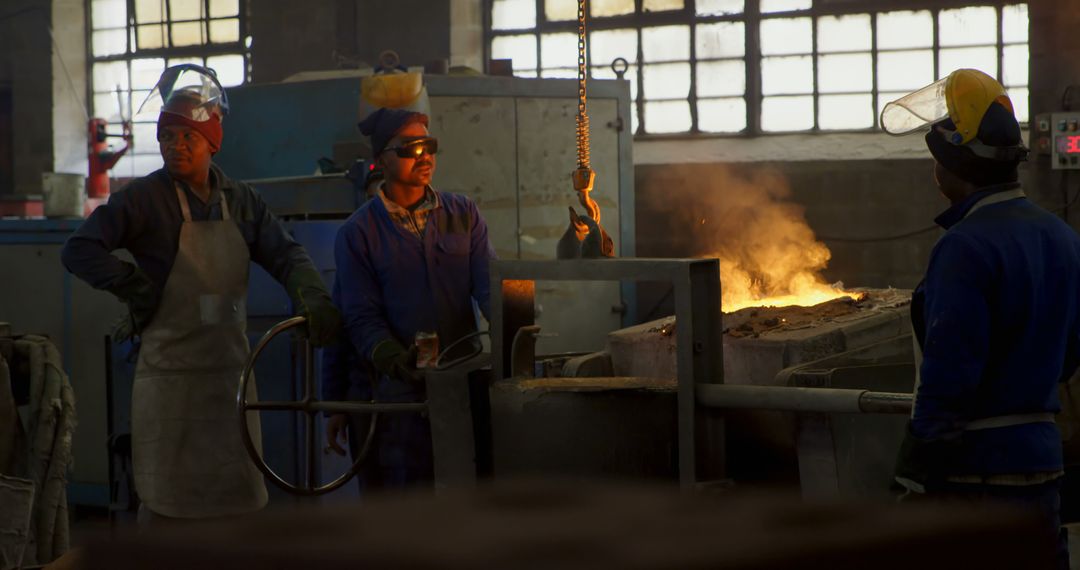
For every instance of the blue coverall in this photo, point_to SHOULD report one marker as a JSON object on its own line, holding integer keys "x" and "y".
{"x": 998, "y": 319}
{"x": 391, "y": 285}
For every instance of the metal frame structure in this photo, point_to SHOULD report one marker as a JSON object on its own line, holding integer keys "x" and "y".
{"x": 696, "y": 283}
{"x": 751, "y": 17}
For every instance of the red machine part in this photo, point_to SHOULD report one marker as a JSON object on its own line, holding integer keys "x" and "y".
{"x": 101, "y": 158}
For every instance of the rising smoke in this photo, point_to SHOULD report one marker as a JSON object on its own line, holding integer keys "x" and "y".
{"x": 766, "y": 248}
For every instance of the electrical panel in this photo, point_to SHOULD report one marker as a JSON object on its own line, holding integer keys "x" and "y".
{"x": 1057, "y": 135}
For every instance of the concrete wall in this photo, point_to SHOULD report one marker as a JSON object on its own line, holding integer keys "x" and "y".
{"x": 26, "y": 66}
{"x": 290, "y": 37}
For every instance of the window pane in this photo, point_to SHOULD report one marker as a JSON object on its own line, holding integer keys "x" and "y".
{"x": 560, "y": 10}
{"x": 845, "y": 73}
{"x": 109, "y": 42}
{"x": 787, "y": 113}
{"x": 967, "y": 26}
{"x": 787, "y": 75}
{"x": 149, "y": 114}
{"x": 178, "y": 60}
{"x": 521, "y": 49}
{"x": 225, "y": 31}
{"x": 151, "y": 37}
{"x": 905, "y": 30}
{"x": 231, "y": 69}
{"x": 719, "y": 7}
{"x": 1015, "y": 62}
{"x": 846, "y": 111}
{"x": 667, "y": 116}
{"x": 605, "y": 72}
{"x": 905, "y": 70}
{"x": 108, "y": 14}
{"x": 558, "y": 50}
{"x": 607, "y": 45}
{"x": 721, "y": 78}
{"x": 1019, "y": 97}
{"x": 187, "y": 34}
{"x": 107, "y": 75}
{"x": 982, "y": 58}
{"x": 601, "y": 8}
{"x": 146, "y": 72}
{"x": 107, "y": 106}
{"x": 666, "y": 43}
{"x": 844, "y": 33}
{"x": 149, "y": 11}
{"x": 185, "y": 10}
{"x": 722, "y": 39}
{"x": 768, "y": 6}
{"x": 513, "y": 14}
{"x": 561, "y": 73}
{"x": 224, "y": 8}
{"x": 662, "y": 5}
{"x": 722, "y": 115}
{"x": 1014, "y": 23}
{"x": 145, "y": 136}
{"x": 666, "y": 80}
{"x": 786, "y": 35}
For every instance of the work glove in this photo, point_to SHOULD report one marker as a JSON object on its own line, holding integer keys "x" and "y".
{"x": 392, "y": 359}
{"x": 309, "y": 297}
{"x": 142, "y": 297}
{"x": 921, "y": 463}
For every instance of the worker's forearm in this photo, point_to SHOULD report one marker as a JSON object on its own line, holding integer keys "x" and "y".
{"x": 93, "y": 263}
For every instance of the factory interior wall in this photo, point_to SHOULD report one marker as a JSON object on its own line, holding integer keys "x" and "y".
{"x": 349, "y": 33}
{"x": 25, "y": 69}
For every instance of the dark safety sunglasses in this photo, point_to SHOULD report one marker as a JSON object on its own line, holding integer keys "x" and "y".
{"x": 416, "y": 148}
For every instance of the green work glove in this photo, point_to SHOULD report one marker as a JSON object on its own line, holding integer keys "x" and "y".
{"x": 142, "y": 298}
{"x": 392, "y": 359}
{"x": 309, "y": 296}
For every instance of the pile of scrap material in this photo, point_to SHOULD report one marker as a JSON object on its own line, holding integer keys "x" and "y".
{"x": 755, "y": 321}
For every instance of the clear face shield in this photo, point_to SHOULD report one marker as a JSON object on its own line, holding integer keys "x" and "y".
{"x": 918, "y": 110}
{"x": 188, "y": 90}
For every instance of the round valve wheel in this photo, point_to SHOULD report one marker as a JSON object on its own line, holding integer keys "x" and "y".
{"x": 310, "y": 407}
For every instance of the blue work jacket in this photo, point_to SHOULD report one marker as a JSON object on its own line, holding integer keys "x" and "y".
{"x": 391, "y": 284}
{"x": 998, "y": 319}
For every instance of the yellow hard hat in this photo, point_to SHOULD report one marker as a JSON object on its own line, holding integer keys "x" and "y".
{"x": 963, "y": 96}
{"x": 391, "y": 90}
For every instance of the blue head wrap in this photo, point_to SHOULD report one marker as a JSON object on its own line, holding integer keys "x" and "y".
{"x": 384, "y": 123}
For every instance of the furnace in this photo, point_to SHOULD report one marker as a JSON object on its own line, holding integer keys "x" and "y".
{"x": 624, "y": 408}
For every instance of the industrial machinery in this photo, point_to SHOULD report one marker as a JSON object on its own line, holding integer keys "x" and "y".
{"x": 1058, "y": 135}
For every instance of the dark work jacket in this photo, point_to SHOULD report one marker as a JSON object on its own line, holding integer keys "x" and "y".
{"x": 391, "y": 284}
{"x": 998, "y": 319}
{"x": 144, "y": 218}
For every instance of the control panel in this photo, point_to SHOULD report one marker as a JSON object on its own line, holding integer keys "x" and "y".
{"x": 1058, "y": 135}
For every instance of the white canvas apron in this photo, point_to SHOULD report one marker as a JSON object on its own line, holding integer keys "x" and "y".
{"x": 998, "y": 421}
{"x": 188, "y": 457}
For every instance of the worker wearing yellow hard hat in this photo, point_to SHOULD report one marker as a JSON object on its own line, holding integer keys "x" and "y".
{"x": 996, "y": 319}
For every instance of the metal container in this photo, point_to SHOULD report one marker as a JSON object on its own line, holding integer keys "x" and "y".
{"x": 65, "y": 194}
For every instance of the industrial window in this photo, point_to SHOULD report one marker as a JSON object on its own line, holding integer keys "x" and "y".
{"x": 131, "y": 43}
{"x": 765, "y": 66}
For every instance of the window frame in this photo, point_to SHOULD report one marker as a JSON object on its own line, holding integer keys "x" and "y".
{"x": 131, "y": 53}
{"x": 751, "y": 17}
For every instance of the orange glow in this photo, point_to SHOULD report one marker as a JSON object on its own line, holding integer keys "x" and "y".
{"x": 768, "y": 254}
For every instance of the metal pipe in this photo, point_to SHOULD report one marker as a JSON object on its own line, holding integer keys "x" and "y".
{"x": 793, "y": 399}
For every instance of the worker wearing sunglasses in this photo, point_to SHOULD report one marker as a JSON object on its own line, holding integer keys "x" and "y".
{"x": 411, "y": 264}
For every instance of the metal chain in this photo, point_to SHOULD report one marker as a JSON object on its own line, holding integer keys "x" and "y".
{"x": 582, "y": 116}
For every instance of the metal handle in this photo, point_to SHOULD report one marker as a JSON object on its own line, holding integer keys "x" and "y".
{"x": 310, "y": 406}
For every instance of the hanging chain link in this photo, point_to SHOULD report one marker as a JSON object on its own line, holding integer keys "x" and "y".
{"x": 582, "y": 115}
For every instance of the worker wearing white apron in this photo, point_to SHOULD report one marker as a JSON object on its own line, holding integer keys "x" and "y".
{"x": 996, "y": 318}
{"x": 193, "y": 232}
